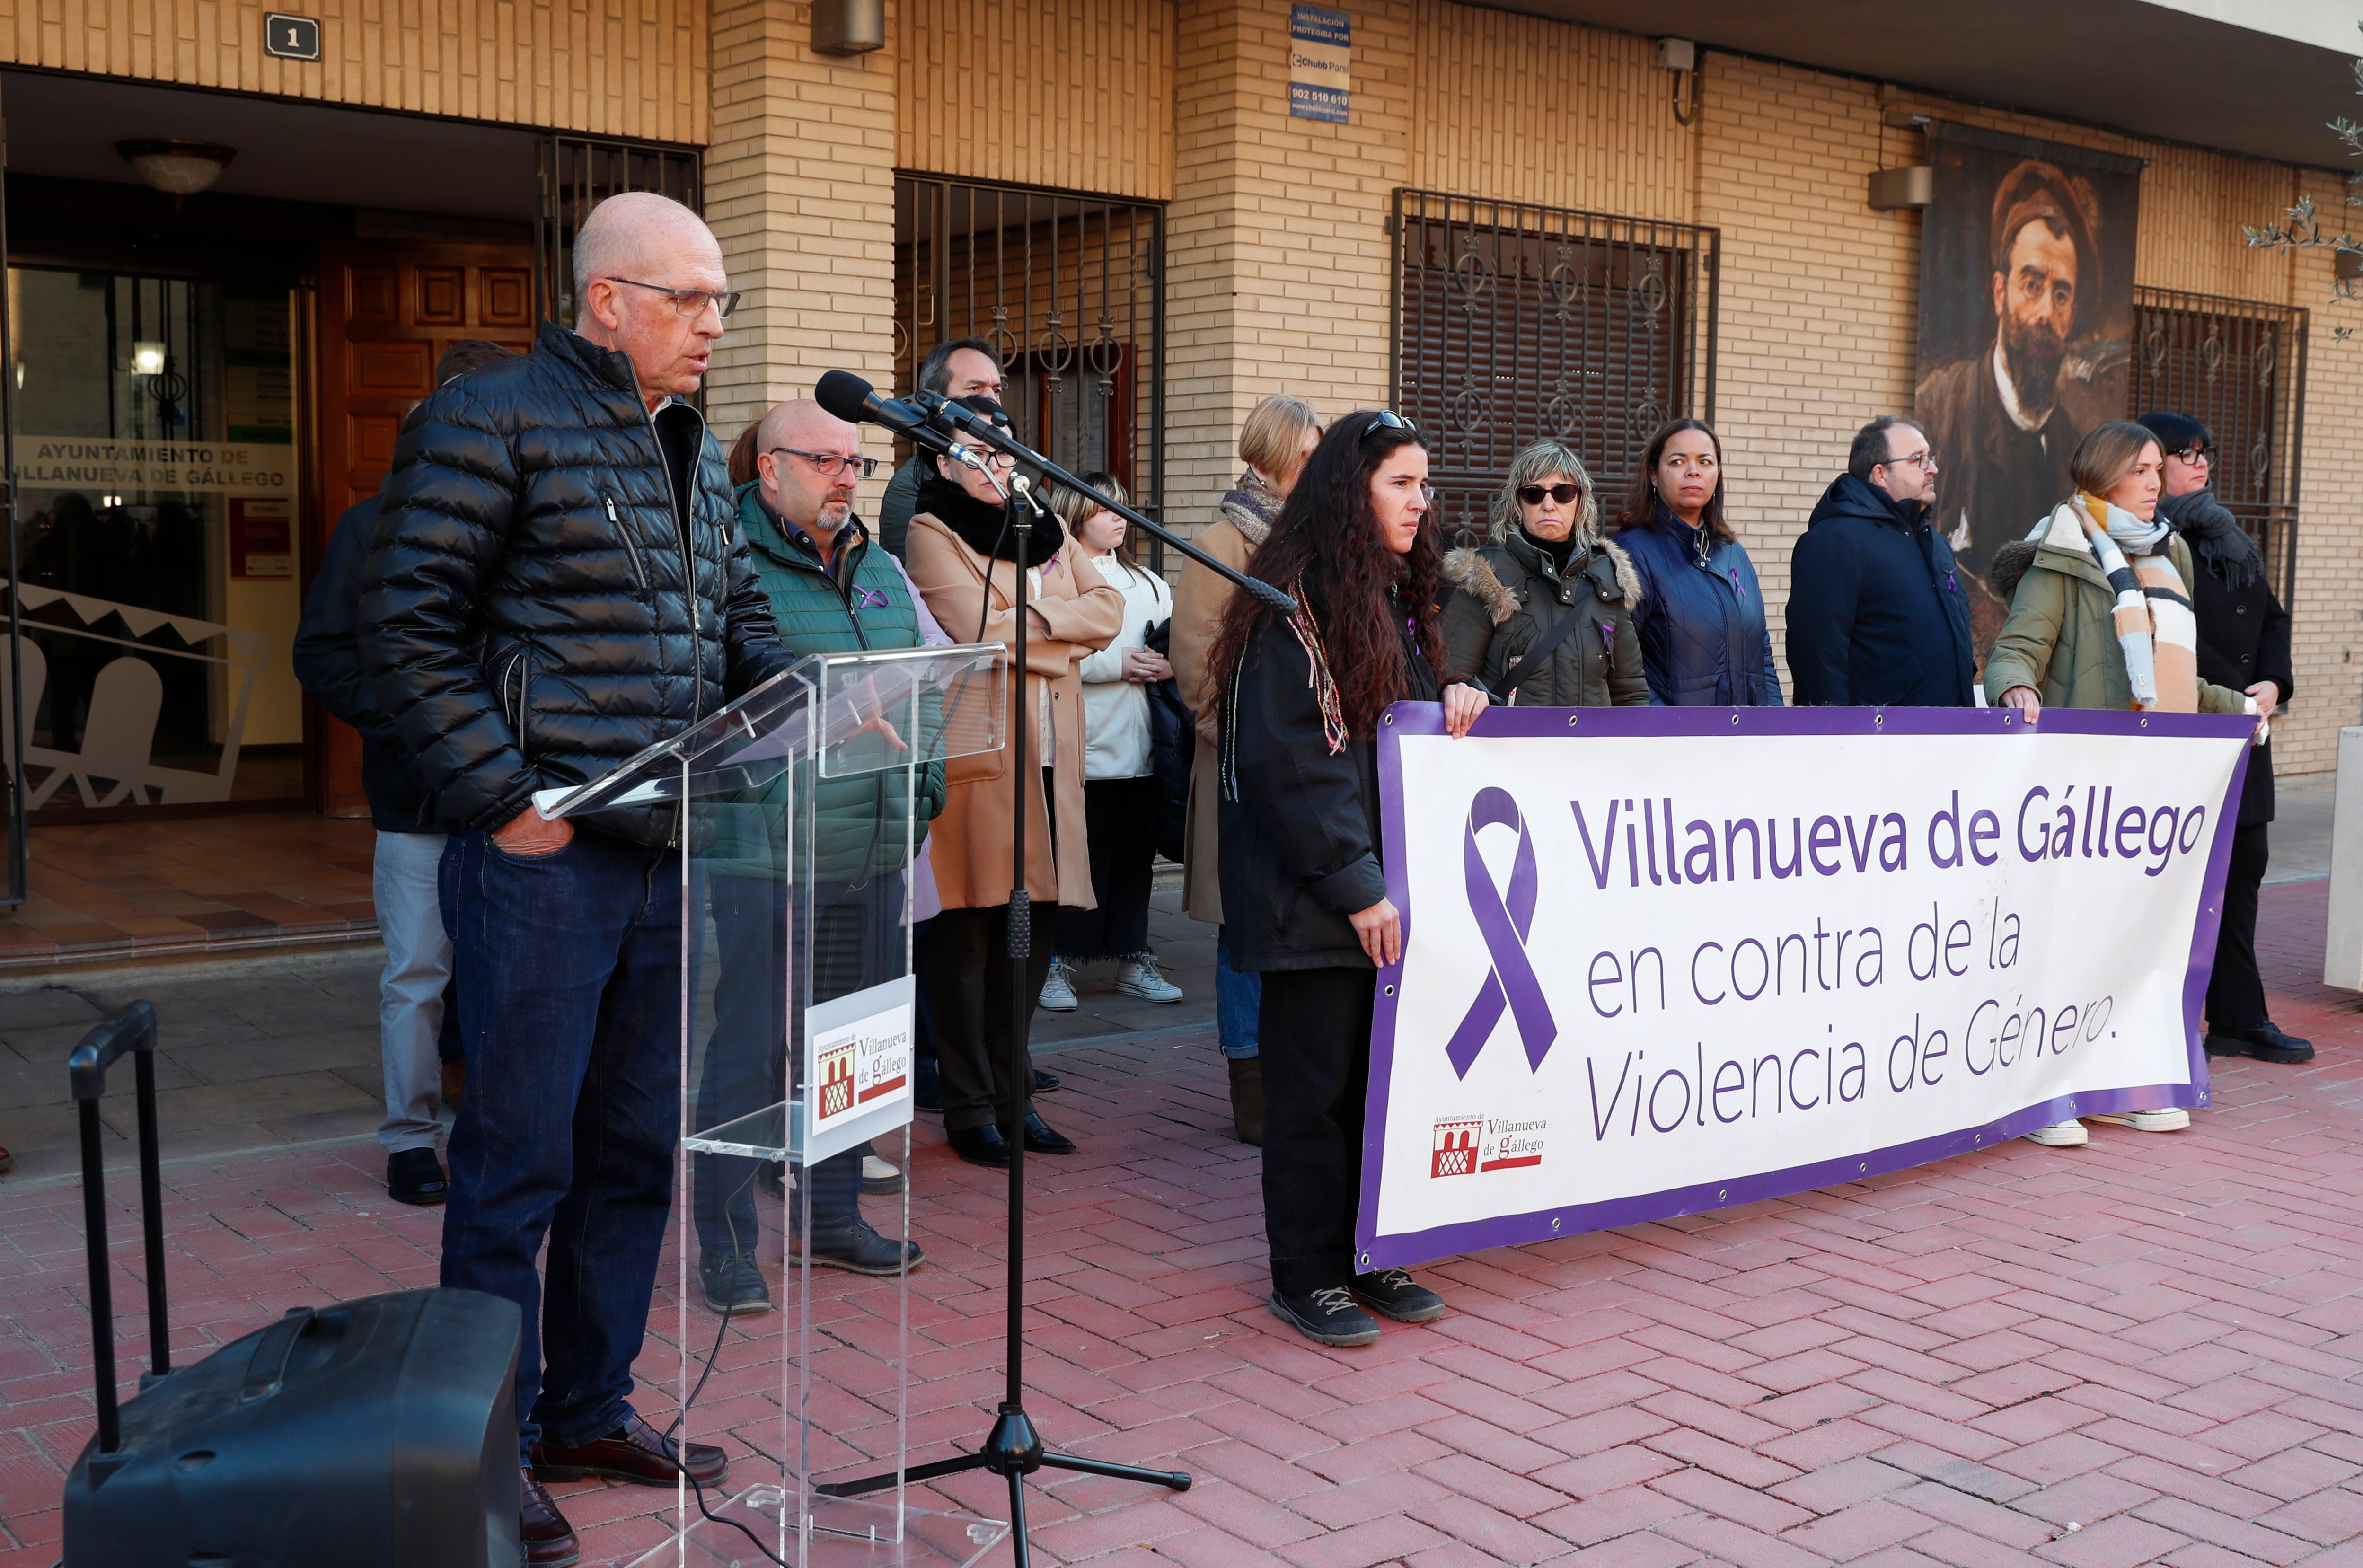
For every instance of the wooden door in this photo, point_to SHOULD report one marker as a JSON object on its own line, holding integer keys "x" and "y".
{"x": 387, "y": 314}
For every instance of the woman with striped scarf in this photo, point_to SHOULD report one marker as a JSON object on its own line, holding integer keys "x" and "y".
{"x": 2101, "y": 617}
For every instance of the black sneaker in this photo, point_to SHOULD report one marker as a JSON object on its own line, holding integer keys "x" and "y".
{"x": 2266, "y": 1042}
{"x": 1393, "y": 1293}
{"x": 857, "y": 1249}
{"x": 1328, "y": 1316}
{"x": 415, "y": 1176}
{"x": 734, "y": 1285}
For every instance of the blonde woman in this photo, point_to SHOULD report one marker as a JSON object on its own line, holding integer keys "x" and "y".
{"x": 2068, "y": 643}
{"x": 1545, "y": 612}
{"x": 1275, "y": 438}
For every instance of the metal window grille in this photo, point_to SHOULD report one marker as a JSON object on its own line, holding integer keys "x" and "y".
{"x": 2237, "y": 367}
{"x": 577, "y": 174}
{"x": 1514, "y": 322}
{"x": 1070, "y": 292}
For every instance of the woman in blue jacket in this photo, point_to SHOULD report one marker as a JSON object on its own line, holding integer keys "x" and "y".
{"x": 1705, "y": 642}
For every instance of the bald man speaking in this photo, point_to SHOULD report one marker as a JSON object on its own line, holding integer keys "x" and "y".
{"x": 558, "y": 584}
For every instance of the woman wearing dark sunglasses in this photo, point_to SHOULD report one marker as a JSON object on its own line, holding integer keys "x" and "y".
{"x": 1545, "y": 612}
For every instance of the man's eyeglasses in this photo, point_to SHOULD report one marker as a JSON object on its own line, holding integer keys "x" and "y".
{"x": 1917, "y": 459}
{"x": 1565, "y": 494}
{"x": 692, "y": 303}
{"x": 831, "y": 464}
{"x": 2195, "y": 453}
{"x": 1390, "y": 422}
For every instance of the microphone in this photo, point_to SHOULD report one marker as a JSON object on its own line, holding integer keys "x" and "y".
{"x": 856, "y": 402}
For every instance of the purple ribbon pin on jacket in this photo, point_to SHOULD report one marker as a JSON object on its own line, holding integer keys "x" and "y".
{"x": 1504, "y": 925}
{"x": 869, "y": 599}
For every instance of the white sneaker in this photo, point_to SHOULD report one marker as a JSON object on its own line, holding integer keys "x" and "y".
{"x": 1058, "y": 990}
{"x": 879, "y": 1177}
{"x": 2167, "y": 1121}
{"x": 2060, "y": 1135}
{"x": 1139, "y": 977}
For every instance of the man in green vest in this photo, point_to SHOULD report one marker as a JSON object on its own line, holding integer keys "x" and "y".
{"x": 832, "y": 591}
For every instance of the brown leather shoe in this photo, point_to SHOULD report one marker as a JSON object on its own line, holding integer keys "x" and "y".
{"x": 547, "y": 1539}
{"x": 633, "y": 1451}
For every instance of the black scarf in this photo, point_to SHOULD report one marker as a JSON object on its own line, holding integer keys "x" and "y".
{"x": 1558, "y": 550}
{"x": 2215, "y": 535}
{"x": 979, "y": 523}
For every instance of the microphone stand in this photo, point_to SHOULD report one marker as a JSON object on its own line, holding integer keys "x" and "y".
{"x": 945, "y": 413}
{"x": 1013, "y": 1448}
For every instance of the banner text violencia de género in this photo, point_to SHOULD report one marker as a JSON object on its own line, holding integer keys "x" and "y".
{"x": 1658, "y": 965}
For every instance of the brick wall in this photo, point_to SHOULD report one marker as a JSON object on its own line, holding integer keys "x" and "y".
{"x": 610, "y": 69}
{"x": 1277, "y": 273}
{"x": 800, "y": 189}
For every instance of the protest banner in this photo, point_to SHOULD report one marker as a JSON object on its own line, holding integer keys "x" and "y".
{"x": 1658, "y": 960}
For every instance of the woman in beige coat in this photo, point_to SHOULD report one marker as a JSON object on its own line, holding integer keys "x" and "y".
{"x": 963, "y": 559}
{"x": 1278, "y": 435}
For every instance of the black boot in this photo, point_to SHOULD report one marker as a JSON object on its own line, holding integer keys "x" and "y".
{"x": 857, "y": 1249}
{"x": 1247, "y": 1097}
{"x": 415, "y": 1176}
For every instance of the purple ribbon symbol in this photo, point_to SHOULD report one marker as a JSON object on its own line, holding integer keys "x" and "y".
{"x": 1504, "y": 925}
{"x": 869, "y": 599}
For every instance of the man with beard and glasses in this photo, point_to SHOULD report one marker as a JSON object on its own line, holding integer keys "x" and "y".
{"x": 1997, "y": 418}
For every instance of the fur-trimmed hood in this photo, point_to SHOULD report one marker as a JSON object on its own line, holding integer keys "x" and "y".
{"x": 1475, "y": 573}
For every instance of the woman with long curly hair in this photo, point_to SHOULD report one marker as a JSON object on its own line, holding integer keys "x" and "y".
{"x": 1303, "y": 897}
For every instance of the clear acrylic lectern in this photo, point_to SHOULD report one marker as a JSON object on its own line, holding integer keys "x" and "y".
{"x": 803, "y": 808}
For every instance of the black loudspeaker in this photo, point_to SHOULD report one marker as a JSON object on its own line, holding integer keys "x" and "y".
{"x": 377, "y": 1433}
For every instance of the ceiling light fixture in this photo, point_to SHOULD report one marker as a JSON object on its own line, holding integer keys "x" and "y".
{"x": 177, "y": 168}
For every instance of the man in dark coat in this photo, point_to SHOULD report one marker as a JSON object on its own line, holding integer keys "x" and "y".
{"x": 2244, "y": 643}
{"x": 1998, "y": 416}
{"x": 962, "y": 367}
{"x": 1875, "y": 615}
{"x": 402, "y": 875}
{"x": 558, "y": 584}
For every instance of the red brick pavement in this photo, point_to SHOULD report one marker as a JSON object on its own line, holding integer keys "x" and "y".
{"x": 2145, "y": 1350}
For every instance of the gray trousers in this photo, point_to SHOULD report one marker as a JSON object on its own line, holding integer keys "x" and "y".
{"x": 410, "y": 993}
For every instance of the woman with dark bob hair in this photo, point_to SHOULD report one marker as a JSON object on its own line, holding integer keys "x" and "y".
{"x": 1301, "y": 694}
{"x": 2099, "y": 617}
{"x": 1705, "y": 642}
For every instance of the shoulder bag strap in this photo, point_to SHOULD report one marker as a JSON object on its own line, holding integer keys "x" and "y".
{"x": 1535, "y": 658}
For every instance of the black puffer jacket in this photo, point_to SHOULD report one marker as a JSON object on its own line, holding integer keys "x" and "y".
{"x": 535, "y": 613}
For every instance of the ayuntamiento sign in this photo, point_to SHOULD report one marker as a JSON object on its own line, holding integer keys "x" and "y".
{"x": 1660, "y": 960}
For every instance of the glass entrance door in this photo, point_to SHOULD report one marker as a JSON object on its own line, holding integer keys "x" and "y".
{"x": 156, "y": 528}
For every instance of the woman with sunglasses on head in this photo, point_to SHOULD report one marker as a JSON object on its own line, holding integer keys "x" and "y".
{"x": 1120, "y": 796}
{"x": 2244, "y": 643}
{"x": 964, "y": 556}
{"x": 1704, "y": 639}
{"x": 1301, "y": 694}
{"x": 1545, "y": 612}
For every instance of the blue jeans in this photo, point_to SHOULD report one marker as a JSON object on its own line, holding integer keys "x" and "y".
{"x": 1237, "y": 1000}
{"x": 405, "y": 880}
{"x": 569, "y": 963}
